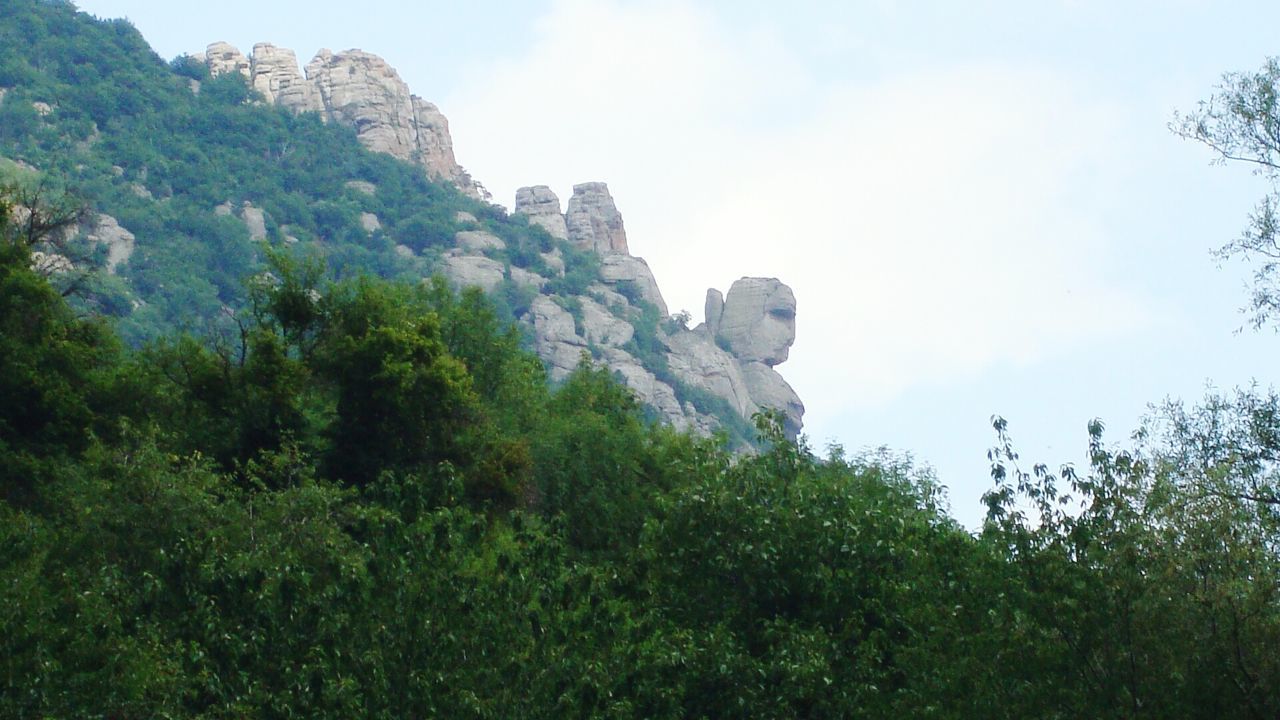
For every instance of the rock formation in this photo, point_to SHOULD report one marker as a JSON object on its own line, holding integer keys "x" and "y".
{"x": 731, "y": 357}
{"x": 542, "y": 207}
{"x": 757, "y": 320}
{"x": 593, "y": 221}
{"x": 354, "y": 88}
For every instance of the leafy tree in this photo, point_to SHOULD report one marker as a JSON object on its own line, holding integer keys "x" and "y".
{"x": 1240, "y": 122}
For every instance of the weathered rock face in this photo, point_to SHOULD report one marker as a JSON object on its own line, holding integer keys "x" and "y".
{"x": 593, "y": 221}
{"x": 627, "y": 274}
{"x": 354, "y": 88}
{"x": 542, "y": 207}
{"x": 701, "y": 364}
{"x": 468, "y": 270}
{"x": 120, "y": 242}
{"x": 255, "y": 221}
{"x": 274, "y": 72}
{"x": 224, "y": 58}
{"x": 769, "y": 390}
{"x": 758, "y": 320}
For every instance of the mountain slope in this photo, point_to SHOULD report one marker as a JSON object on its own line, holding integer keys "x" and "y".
{"x": 195, "y": 169}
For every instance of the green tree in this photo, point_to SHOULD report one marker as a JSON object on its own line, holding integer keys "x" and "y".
{"x": 1240, "y": 122}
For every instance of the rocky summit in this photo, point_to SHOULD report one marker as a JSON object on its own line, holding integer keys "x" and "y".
{"x": 355, "y": 88}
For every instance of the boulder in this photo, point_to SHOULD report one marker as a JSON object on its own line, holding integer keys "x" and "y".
{"x": 274, "y": 72}
{"x": 119, "y": 241}
{"x": 542, "y": 207}
{"x": 593, "y": 221}
{"x": 477, "y": 241}
{"x": 520, "y": 276}
{"x": 370, "y": 222}
{"x": 363, "y": 187}
{"x": 468, "y": 270}
{"x": 222, "y": 57}
{"x": 758, "y": 320}
{"x": 626, "y": 274}
{"x": 254, "y": 221}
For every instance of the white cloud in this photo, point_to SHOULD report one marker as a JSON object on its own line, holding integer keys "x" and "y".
{"x": 928, "y": 222}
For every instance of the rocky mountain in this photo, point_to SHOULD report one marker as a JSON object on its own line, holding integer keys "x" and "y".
{"x": 730, "y": 357}
{"x": 192, "y": 185}
{"x": 354, "y": 88}
{"x": 727, "y": 362}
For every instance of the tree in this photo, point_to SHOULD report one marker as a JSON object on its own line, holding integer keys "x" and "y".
{"x": 1240, "y": 122}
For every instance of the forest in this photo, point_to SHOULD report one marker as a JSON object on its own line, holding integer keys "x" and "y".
{"x": 354, "y": 494}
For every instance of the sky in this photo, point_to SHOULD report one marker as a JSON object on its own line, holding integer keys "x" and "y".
{"x": 978, "y": 205}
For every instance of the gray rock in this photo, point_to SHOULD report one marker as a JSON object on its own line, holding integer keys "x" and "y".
{"x": 554, "y": 261}
{"x": 478, "y": 241}
{"x": 469, "y": 270}
{"x": 542, "y": 207}
{"x": 274, "y": 72}
{"x": 370, "y": 222}
{"x": 769, "y": 390}
{"x": 758, "y": 322}
{"x": 462, "y": 217}
{"x": 699, "y": 363}
{"x": 357, "y": 89}
{"x": 222, "y": 57}
{"x": 601, "y": 327}
{"x": 648, "y": 388}
{"x": 556, "y": 339}
{"x": 520, "y": 276}
{"x": 713, "y": 309}
{"x": 254, "y": 221}
{"x": 119, "y": 241}
{"x": 361, "y": 186}
{"x": 617, "y": 270}
{"x": 593, "y": 221}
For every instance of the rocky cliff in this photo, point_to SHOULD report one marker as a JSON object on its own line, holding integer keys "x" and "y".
{"x": 693, "y": 378}
{"x": 730, "y": 357}
{"x": 355, "y": 88}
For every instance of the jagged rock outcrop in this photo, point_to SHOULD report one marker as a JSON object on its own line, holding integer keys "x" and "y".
{"x": 542, "y": 207}
{"x": 602, "y": 327}
{"x": 701, "y": 364}
{"x": 274, "y": 72}
{"x": 593, "y": 221}
{"x": 354, "y": 88}
{"x": 222, "y": 58}
{"x": 556, "y": 338}
{"x": 731, "y": 357}
{"x": 631, "y": 277}
{"x": 477, "y": 270}
{"x": 477, "y": 241}
{"x": 757, "y": 320}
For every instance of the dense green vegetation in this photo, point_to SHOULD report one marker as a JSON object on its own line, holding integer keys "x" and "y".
{"x": 367, "y": 502}
{"x": 355, "y": 495}
{"x": 126, "y": 133}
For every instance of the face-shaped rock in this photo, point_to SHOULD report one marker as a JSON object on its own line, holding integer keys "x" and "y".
{"x": 758, "y": 322}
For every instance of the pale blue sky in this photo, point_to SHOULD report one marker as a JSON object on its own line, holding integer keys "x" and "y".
{"x": 977, "y": 204}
